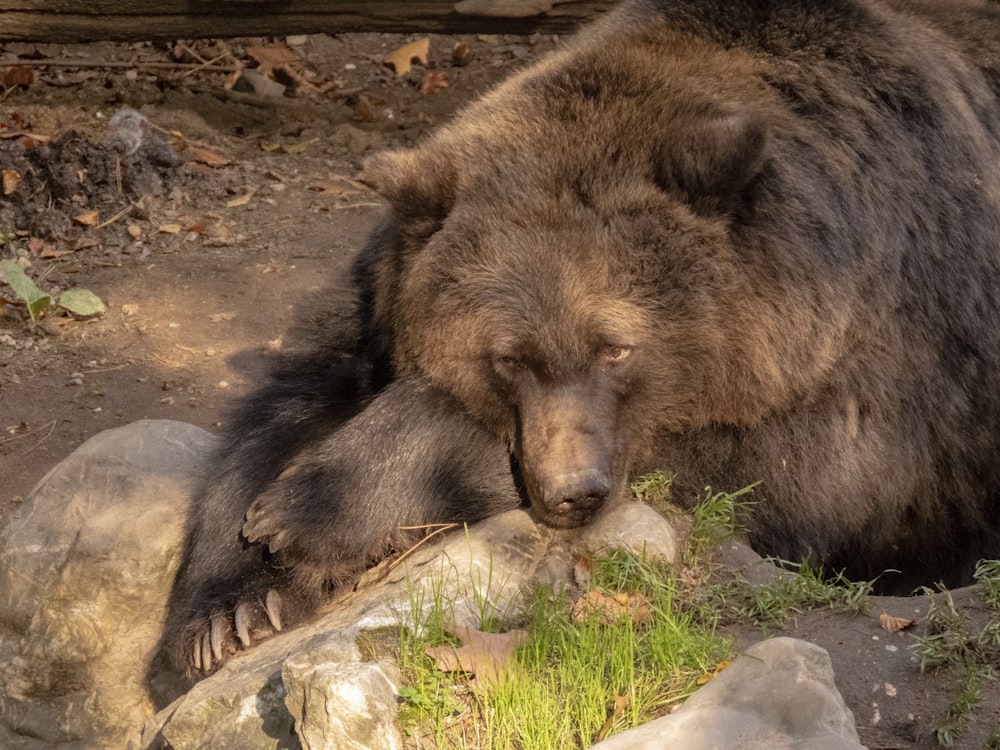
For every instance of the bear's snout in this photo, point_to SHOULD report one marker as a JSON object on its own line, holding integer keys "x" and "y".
{"x": 571, "y": 499}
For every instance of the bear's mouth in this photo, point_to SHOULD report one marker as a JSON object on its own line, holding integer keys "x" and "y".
{"x": 572, "y": 514}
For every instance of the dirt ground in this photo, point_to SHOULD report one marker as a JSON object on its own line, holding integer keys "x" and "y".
{"x": 201, "y": 207}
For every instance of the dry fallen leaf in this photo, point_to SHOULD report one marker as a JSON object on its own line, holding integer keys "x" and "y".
{"x": 715, "y": 672}
{"x": 16, "y": 75}
{"x": 83, "y": 242}
{"x": 89, "y": 219}
{"x": 611, "y": 608}
{"x": 485, "y": 655}
{"x": 11, "y": 179}
{"x": 271, "y": 56}
{"x": 208, "y": 157}
{"x": 433, "y": 81}
{"x": 621, "y": 703}
{"x": 894, "y": 624}
{"x": 369, "y": 109}
{"x": 402, "y": 59}
{"x": 241, "y": 201}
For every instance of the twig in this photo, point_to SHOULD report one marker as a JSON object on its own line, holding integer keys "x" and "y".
{"x": 51, "y": 425}
{"x": 442, "y": 527}
{"x": 54, "y": 63}
{"x": 121, "y": 213}
{"x": 207, "y": 65}
{"x": 357, "y": 205}
{"x": 103, "y": 369}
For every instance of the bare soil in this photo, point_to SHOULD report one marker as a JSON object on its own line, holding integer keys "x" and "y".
{"x": 202, "y": 212}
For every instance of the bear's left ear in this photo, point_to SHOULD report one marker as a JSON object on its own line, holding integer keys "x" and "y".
{"x": 414, "y": 181}
{"x": 713, "y": 156}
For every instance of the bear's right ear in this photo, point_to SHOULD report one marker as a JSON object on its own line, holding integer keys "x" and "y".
{"x": 414, "y": 181}
{"x": 713, "y": 156}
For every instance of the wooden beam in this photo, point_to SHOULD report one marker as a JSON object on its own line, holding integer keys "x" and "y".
{"x": 65, "y": 21}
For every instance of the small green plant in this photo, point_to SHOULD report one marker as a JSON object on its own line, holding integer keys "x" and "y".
{"x": 987, "y": 577}
{"x": 653, "y": 489}
{"x": 952, "y": 642}
{"x": 772, "y": 605}
{"x": 80, "y": 302}
{"x": 962, "y": 708}
{"x": 716, "y": 519}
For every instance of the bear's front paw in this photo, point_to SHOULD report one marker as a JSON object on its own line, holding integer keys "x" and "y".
{"x": 213, "y": 639}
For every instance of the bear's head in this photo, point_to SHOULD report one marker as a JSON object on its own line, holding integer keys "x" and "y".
{"x": 575, "y": 288}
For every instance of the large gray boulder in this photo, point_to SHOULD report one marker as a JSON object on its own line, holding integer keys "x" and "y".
{"x": 86, "y": 565}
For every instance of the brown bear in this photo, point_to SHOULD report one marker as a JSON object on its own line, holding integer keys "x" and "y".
{"x": 745, "y": 242}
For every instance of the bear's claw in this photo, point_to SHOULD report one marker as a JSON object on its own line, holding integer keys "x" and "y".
{"x": 222, "y": 636}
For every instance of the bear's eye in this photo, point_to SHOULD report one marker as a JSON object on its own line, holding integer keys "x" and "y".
{"x": 507, "y": 364}
{"x": 616, "y": 352}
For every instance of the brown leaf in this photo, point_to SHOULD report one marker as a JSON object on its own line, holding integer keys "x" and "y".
{"x": 241, "y": 201}
{"x": 401, "y": 60}
{"x": 83, "y": 242}
{"x": 208, "y": 157}
{"x": 708, "y": 676}
{"x": 621, "y": 703}
{"x": 17, "y": 75}
{"x": 88, "y": 219}
{"x": 369, "y": 109}
{"x": 433, "y": 81}
{"x": 612, "y": 608}
{"x": 271, "y": 56}
{"x": 485, "y": 655}
{"x": 11, "y": 179}
{"x": 893, "y": 624}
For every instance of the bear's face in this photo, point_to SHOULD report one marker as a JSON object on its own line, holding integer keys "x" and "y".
{"x": 574, "y": 308}
{"x": 551, "y": 330}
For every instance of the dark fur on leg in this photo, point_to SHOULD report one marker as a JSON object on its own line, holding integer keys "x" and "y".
{"x": 411, "y": 458}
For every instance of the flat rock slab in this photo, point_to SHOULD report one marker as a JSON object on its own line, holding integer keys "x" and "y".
{"x": 778, "y": 695}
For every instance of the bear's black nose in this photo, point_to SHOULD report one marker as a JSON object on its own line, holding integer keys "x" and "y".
{"x": 580, "y": 492}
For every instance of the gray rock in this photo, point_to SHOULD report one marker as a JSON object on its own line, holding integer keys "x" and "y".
{"x": 86, "y": 564}
{"x": 342, "y": 707}
{"x": 634, "y": 527}
{"x": 778, "y": 695}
